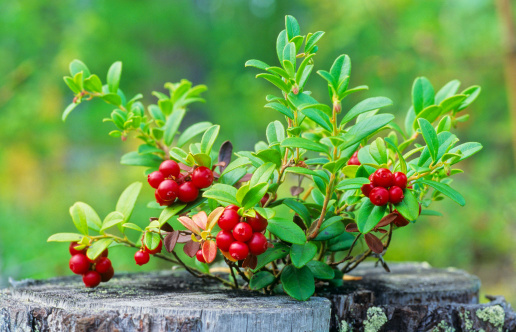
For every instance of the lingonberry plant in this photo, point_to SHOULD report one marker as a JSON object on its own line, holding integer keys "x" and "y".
{"x": 354, "y": 176}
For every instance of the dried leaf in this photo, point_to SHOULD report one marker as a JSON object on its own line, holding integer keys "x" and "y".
{"x": 200, "y": 219}
{"x": 295, "y": 190}
{"x": 214, "y": 217}
{"x": 228, "y": 256}
{"x": 387, "y": 219}
{"x": 352, "y": 228}
{"x": 374, "y": 243}
{"x": 167, "y": 228}
{"x": 400, "y": 221}
{"x": 191, "y": 248}
{"x": 185, "y": 167}
{"x": 381, "y": 230}
{"x": 225, "y": 152}
{"x": 246, "y": 178}
{"x": 298, "y": 221}
{"x": 171, "y": 240}
{"x": 351, "y": 278}
{"x": 209, "y": 251}
{"x": 251, "y": 261}
{"x": 190, "y": 224}
{"x": 183, "y": 237}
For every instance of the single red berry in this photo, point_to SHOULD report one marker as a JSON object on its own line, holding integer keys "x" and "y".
{"x": 103, "y": 265}
{"x": 202, "y": 177}
{"x": 228, "y": 220}
{"x": 419, "y": 209}
{"x": 155, "y": 178}
{"x": 169, "y": 168}
{"x": 238, "y": 250}
{"x": 188, "y": 192}
{"x": 264, "y": 199}
{"x": 366, "y": 189}
{"x": 257, "y": 223}
{"x": 371, "y": 178}
{"x": 257, "y": 244}
{"x": 354, "y": 159}
{"x": 410, "y": 187}
{"x": 232, "y": 207}
{"x": 242, "y": 232}
{"x": 104, "y": 253}
{"x": 106, "y": 276}
{"x": 224, "y": 240}
{"x": 141, "y": 257}
{"x": 79, "y": 264}
{"x": 74, "y": 251}
{"x": 160, "y": 200}
{"x": 91, "y": 279}
{"x": 200, "y": 257}
{"x": 383, "y": 178}
{"x": 400, "y": 221}
{"x": 395, "y": 195}
{"x": 379, "y": 196}
{"x": 156, "y": 250}
{"x": 168, "y": 190}
{"x": 400, "y": 180}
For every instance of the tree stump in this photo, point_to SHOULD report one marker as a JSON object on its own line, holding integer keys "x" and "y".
{"x": 413, "y": 297}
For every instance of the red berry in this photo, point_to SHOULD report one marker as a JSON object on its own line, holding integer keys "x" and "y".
{"x": 202, "y": 177}
{"x": 371, "y": 178}
{"x": 79, "y": 264}
{"x": 366, "y": 189}
{"x": 238, "y": 250}
{"x": 224, "y": 240}
{"x": 188, "y": 192}
{"x": 141, "y": 257}
{"x": 104, "y": 253}
{"x": 264, "y": 199}
{"x": 400, "y": 180}
{"x": 419, "y": 209}
{"x": 103, "y": 265}
{"x": 160, "y": 200}
{"x": 74, "y": 251}
{"x": 228, "y": 220}
{"x": 354, "y": 159}
{"x": 257, "y": 244}
{"x": 106, "y": 276}
{"x": 155, "y": 250}
{"x": 168, "y": 190}
{"x": 91, "y": 279}
{"x": 155, "y": 178}
{"x": 258, "y": 223}
{"x": 242, "y": 232}
{"x": 383, "y": 178}
{"x": 379, "y": 196}
{"x": 200, "y": 257}
{"x": 395, "y": 194}
{"x": 169, "y": 168}
{"x": 232, "y": 207}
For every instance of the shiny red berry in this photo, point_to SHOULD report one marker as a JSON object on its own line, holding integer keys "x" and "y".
{"x": 169, "y": 168}
{"x": 383, "y": 178}
{"x": 366, "y": 189}
{"x": 160, "y": 200}
{"x": 168, "y": 190}
{"x": 91, "y": 279}
{"x": 106, "y": 276}
{"x": 200, "y": 257}
{"x": 224, "y": 240}
{"x": 104, "y": 253}
{"x": 141, "y": 257}
{"x": 371, "y": 178}
{"x": 264, "y": 199}
{"x": 354, "y": 159}
{"x": 238, "y": 250}
{"x": 79, "y": 264}
{"x": 202, "y": 177}
{"x": 74, "y": 251}
{"x": 400, "y": 180}
{"x": 155, "y": 178}
{"x": 156, "y": 250}
{"x": 103, "y": 265}
{"x": 395, "y": 195}
{"x": 257, "y": 244}
{"x": 242, "y": 232}
{"x": 232, "y": 207}
{"x": 379, "y": 196}
{"x": 228, "y": 220}
{"x": 188, "y": 192}
{"x": 257, "y": 223}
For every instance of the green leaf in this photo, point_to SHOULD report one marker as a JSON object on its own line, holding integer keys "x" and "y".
{"x": 127, "y": 200}
{"x": 278, "y": 82}
{"x": 136, "y": 159}
{"x": 282, "y": 109}
{"x": 328, "y": 77}
{"x": 287, "y": 231}
{"x": 68, "y": 110}
{"x": 132, "y": 226}
{"x": 402, "y": 162}
{"x": 431, "y": 113}
{"x": 312, "y": 40}
{"x": 446, "y": 190}
{"x": 112, "y": 98}
{"x": 319, "y": 117}
{"x": 447, "y": 91}
{"x": 169, "y": 212}
{"x": 466, "y": 150}
{"x": 237, "y": 163}
{"x": 444, "y": 125}
{"x": 430, "y": 137}
{"x": 365, "y": 128}
{"x": 208, "y": 139}
{"x": 302, "y": 253}
{"x": 303, "y": 143}
{"x": 97, "y": 248}
{"x": 302, "y": 170}
{"x": 298, "y": 283}
{"x": 279, "y": 251}
{"x": 113, "y": 76}
{"x": 262, "y": 174}
{"x": 192, "y": 131}
{"x": 300, "y": 209}
{"x": 146, "y": 148}
{"x": 257, "y": 63}
{"x": 65, "y": 237}
{"x": 202, "y": 159}
{"x": 451, "y": 103}
{"x": 341, "y": 242}
{"x": 151, "y": 240}
{"x": 472, "y": 93}
{"x": 348, "y": 184}
{"x": 321, "y": 270}
{"x": 79, "y": 217}
{"x": 280, "y": 44}
{"x": 341, "y": 68}
{"x": 254, "y": 195}
{"x": 292, "y": 27}
{"x": 366, "y": 106}
{"x": 93, "y": 84}
{"x": 261, "y": 279}
{"x": 330, "y": 228}
{"x": 172, "y": 124}
{"x": 222, "y": 193}
{"x": 275, "y": 132}
{"x": 72, "y": 85}
{"x": 369, "y": 215}
{"x": 77, "y": 66}
{"x": 422, "y": 94}
{"x": 408, "y": 207}
{"x": 270, "y": 156}
{"x": 112, "y": 219}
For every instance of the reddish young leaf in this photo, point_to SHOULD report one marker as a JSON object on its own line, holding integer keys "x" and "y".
{"x": 171, "y": 240}
{"x": 246, "y": 178}
{"x": 214, "y": 217}
{"x": 185, "y": 167}
{"x": 190, "y": 224}
{"x": 387, "y": 219}
{"x": 167, "y": 228}
{"x": 374, "y": 243}
{"x": 381, "y": 230}
{"x": 228, "y": 256}
{"x": 250, "y": 261}
{"x": 352, "y": 228}
{"x": 295, "y": 190}
{"x": 184, "y": 237}
{"x": 225, "y": 152}
{"x": 191, "y": 248}
{"x": 200, "y": 219}
{"x": 400, "y": 221}
{"x": 209, "y": 251}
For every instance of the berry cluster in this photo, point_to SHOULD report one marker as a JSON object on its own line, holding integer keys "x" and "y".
{"x": 93, "y": 271}
{"x": 385, "y": 187}
{"x": 354, "y": 159}
{"x": 240, "y": 238}
{"x": 171, "y": 184}
{"x": 142, "y": 256}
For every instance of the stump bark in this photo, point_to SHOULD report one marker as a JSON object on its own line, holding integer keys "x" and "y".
{"x": 413, "y": 297}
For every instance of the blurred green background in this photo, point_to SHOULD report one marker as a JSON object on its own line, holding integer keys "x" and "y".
{"x": 46, "y": 165}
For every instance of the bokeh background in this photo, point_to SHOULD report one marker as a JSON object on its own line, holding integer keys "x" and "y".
{"x": 46, "y": 165}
